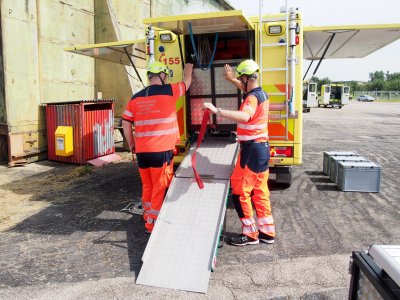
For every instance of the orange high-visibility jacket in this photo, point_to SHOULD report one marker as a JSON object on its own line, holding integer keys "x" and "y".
{"x": 256, "y": 104}
{"x": 153, "y": 112}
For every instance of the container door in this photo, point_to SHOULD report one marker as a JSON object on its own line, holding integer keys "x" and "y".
{"x": 225, "y": 21}
{"x": 346, "y": 95}
{"x": 326, "y": 95}
{"x": 312, "y": 95}
{"x": 118, "y": 52}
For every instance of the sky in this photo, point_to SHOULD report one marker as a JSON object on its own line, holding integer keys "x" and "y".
{"x": 341, "y": 12}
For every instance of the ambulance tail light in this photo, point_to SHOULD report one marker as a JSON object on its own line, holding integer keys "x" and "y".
{"x": 281, "y": 151}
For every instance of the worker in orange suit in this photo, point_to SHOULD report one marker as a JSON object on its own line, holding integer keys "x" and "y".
{"x": 250, "y": 175}
{"x": 153, "y": 113}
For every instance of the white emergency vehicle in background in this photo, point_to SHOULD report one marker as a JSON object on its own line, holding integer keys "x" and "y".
{"x": 334, "y": 95}
{"x": 310, "y": 97}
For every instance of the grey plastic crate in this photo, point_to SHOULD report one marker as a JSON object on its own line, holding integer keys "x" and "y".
{"x": 336, "y": 159}
{"x": 359, "y": 176}
{"x": 329, "y": 154}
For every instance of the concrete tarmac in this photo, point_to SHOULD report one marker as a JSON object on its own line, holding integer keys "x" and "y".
{"x": 63, "y": 235}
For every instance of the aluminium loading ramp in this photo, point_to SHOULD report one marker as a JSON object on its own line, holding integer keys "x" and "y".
{"x": 180, "y": 253}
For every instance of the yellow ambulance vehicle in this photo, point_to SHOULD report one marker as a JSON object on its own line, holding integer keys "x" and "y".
{"x": 275, "y": 41}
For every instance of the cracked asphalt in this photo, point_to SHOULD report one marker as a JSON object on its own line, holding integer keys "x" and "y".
{"x": 63, "y": 235}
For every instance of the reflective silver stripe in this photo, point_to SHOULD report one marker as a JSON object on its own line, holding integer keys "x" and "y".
{"x": 256, "y": 126}
{"x": 156, "y": 133}
{"x": 153, "y": 212}
{"x": 149, "y": 220}
{"x": 146, "y": 204}
{"x": 156, "y": 121}
{"x": 267, "y": 228}
{"x": 248, "y": 221}
{"x": 249, "y": 108}
{"x": 251, "y": 137}
{"x": 249, "y": 229}
{"x": 128, "y": 113}
{"x": 266, "y": 220}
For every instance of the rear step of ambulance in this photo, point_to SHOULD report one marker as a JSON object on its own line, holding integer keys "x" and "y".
{"x": 180, "y": 253}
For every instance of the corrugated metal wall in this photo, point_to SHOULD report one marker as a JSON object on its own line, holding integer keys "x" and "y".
{"x": 37, "y": 69}
{"x": 93, "y": 129}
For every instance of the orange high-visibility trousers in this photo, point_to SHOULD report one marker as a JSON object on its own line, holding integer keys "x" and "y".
{"x": 249, "y": 183}
{"x": 155, "y": 181}
{"x": 147, "y": 190}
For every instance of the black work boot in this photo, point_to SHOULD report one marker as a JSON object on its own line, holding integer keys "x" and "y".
{"x": 242, "y": 240}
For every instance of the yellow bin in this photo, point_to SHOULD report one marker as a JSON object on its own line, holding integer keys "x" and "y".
{"x": 64, "y": 141}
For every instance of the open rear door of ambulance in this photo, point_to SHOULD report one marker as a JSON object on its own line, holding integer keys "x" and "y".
{"x": 346, "y": 41}
{"x": 128, "y": 53}
{"x": 221, "y": 32}
{"x": 124, "y": 52}
{"x": 223, "y": 21}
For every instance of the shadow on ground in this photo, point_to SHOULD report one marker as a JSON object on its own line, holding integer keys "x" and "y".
{"x": 81, "y": 234}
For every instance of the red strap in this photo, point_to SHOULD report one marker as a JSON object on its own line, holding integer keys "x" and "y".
{"x": 206, "y": 119}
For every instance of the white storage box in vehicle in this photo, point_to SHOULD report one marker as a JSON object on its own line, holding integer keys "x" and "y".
{"x": 329, "y": 154}
{"x": 336, "y": 159}
{"x": 376, "y": 274}
{"x": 388, "y": 258}
{"x": 359, "y": 176}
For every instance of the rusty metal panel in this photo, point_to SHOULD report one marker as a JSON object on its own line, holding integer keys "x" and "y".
{"x": 63, "y": 115}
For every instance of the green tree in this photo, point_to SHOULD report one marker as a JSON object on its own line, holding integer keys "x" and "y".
{"x": 393, "y": 85}
{"x": 377, "y": 75}
{"x": 354, "y": 86}
{"x": 376, "y": 85}
{"x": 393, "y": 76}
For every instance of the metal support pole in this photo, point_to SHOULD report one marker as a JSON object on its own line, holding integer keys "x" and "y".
{"x": 134, "y": 67}
{"x": 323, "y": 54}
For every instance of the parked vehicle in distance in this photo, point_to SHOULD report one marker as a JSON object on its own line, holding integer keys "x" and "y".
{"x": 334, "y": 95}
{"x": 367, "y": 98}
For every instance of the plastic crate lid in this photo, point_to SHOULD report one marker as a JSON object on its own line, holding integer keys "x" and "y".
{"x": 349, "y": 158}
{"x": 359, "y": 164}
{"x": 339, "y": 153}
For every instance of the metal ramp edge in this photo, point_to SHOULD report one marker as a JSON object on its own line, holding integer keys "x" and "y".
{"x": 180, "y": 252}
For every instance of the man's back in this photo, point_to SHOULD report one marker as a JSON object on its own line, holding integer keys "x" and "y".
{"x": 153, "y": 111}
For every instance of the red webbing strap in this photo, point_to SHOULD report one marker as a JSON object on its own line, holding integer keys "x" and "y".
{"x": 206, "y": 119}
